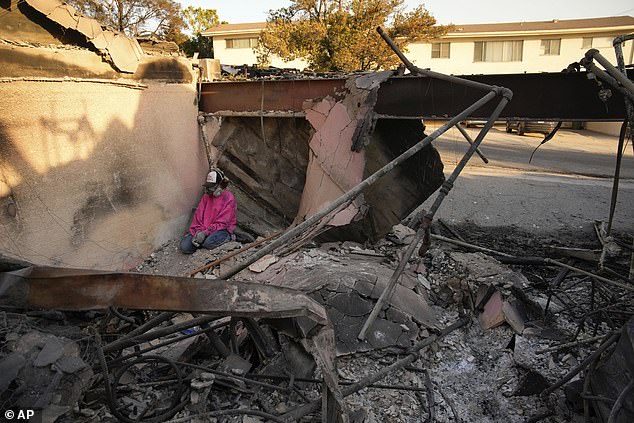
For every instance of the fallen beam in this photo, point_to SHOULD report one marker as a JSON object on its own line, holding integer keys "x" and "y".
{"x": 77, "y": 289}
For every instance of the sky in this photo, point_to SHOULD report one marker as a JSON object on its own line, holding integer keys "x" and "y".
{"x": 446, "y": 11}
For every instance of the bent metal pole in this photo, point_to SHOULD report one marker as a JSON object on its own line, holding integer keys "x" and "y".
{"x": 291, "y": 233}
{"x": 446, "y": 187}
{"x": 413, "y": 69}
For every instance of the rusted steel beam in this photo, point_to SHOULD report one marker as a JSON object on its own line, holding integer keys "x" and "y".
{"x": 267, "y": 96}
{"x": 78, "y": 289}
{"x": 537, "y": 96}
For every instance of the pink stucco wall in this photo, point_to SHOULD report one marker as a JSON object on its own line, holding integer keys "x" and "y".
{"x": 96, "y": 175}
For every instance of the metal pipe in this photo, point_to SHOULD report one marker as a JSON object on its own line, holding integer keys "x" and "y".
{"x": 128, "y": 342}
{"x": 620, "y": 59}
{"x": 612, "y": 418}
{"x": 583, "y": 272}
{"x": 444, "y": 190}
{"x": 470, "y": 141}
{"x": 414, "y": 69}
{"x": 387, "y": 292}
{"x": 470, "y": 246}
{"x": 291, "y": 233}
{"x": 448, "y": 184}
{"x": 588, "y": 64}
{"x": 615, "y": 73}
{"x": 609, "y": 341}
{"x": 617, "y": 177}
{"x": 166, "y": 343}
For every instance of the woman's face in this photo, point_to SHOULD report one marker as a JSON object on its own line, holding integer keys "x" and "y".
{"x": 215, "y": 190}
{"x": 211, "y": 188}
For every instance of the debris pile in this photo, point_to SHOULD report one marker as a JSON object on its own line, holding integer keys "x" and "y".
{"x": 519, "y": 338}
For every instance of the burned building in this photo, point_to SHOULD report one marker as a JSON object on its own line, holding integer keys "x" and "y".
{"x": 104, "y": 142}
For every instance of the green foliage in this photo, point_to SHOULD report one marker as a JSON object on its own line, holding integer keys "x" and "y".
{"x": 340, "y": 35}
{"x": 161, "y": 19}
{"x": 198, "y": 19}
{"x": 200, "y": 44}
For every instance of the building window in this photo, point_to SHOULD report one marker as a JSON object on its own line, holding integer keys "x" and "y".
{"x": 440, "y": 50}
{"x": 241, "y": 42}
{"x": 498, "y": 51}
{"x": 586, "y": 42}
{"x": 551, "y": 47}
{"x": 602, "y": 42}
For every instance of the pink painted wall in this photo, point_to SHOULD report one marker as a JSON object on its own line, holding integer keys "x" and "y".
{"x": 95, "y": 175}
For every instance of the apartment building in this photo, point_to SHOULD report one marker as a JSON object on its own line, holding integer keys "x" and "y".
{"x": 519, "y": 47}
{"x": 497, "y": 48}
{"x": 234, "y": 43}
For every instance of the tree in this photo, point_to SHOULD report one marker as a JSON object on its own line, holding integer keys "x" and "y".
{"x": 340, "y": 35}
{"x": 138, "y": 18}
{"x": 197, "y": 20}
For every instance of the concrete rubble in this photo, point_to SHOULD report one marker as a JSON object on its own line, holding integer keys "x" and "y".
{"x": 484, "y": 327}
{"x": 494, "y": 369}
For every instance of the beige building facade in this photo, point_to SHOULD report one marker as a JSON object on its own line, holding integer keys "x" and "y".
{"x": 234, "y": 45}
{"x": 498, "y": 48}
{"x": 521, "y": 47}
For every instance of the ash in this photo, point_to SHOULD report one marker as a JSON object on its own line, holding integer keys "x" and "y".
{"x": 523, "y": 333}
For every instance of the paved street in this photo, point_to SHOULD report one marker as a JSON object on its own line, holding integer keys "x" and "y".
{"x": 567, "y": 185}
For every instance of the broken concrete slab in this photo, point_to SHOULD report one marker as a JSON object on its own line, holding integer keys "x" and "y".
{"x": 89, "y": 27}
{"x": 350, "y": 304}
{"x": 263, "y": 264}
{"x": 514, "y": 314}
{"x": 124, "y": 52}
{"x": 70, "y": 364}
{"x": 368, "y": 278}
{"x": 39, "y": 359}
{"x": 485, "y": 269}
{"x": 50, "y": 353}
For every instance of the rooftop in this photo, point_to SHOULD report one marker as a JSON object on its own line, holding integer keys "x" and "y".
{"x": 552, "y": 25}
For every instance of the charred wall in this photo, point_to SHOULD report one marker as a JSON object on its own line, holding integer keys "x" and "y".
{"x": 266, "y": 161}
{"x": 399, "y": 192}
{"x": 96, "y": 175}
{"x": 98, "y": 167}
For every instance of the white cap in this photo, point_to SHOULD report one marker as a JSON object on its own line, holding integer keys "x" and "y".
{"x": 212, "y": 177}
{"x": 215, "y": 176}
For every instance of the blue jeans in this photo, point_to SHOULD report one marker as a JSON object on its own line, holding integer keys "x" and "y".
{"x": 212, "y": 241}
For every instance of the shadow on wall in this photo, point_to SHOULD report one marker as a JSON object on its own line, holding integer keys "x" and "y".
{"x": 93, "y": 176}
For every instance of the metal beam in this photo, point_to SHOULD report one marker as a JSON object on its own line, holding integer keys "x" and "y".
{"x": 78, "y": 289}
{"x": 265, "y": 95}
{"x": 537, "y": 96}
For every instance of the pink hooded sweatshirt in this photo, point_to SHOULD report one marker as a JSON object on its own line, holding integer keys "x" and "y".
{"x": 214, "y": 214}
